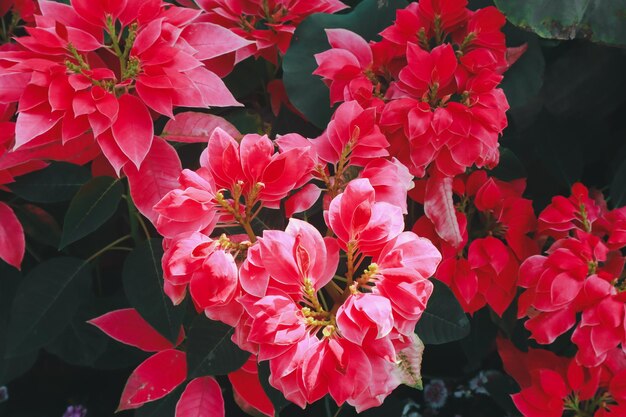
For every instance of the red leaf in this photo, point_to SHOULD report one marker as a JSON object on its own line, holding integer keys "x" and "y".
{"x": 12, "y": 243}
{"x": 514, "y": 53}
{"x": 202, "y": 398}
{"x": 158, "y": 175}
{"x": 133, "y": 130}
{"x": 439, "y": 208}
{"x": 196, "y": 127}
{"x": 156, "y": 377}
{"x": 248, "y": 391}
{"x": 128, "y": 327}
{"x": 12, "y": 85}
{"x": 212, "y": 40}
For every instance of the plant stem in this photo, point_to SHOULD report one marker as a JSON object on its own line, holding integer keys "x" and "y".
{"x": 108, "y": 247}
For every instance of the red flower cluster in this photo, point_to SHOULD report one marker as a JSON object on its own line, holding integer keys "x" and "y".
{"x": 326, "y": 328}
{"x": 269, "y": 24}
{"x": 433, "y": 77}
{"x": 495, "y": 221}
{"x": 552, "y": 385}
{"x": 582, "y": 272}
{"x": 69, "y": 82}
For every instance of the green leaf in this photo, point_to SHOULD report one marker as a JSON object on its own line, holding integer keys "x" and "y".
{"x": 142, "y": 276}
{"x": 46, "y": 301}
{"x": 80, "y": 343}
{"x": 443, "y": 320}
{"x": 16, "y": 366}
{"x": 245, "y": 121}
{"x": 480, "y": 341}
{"x": 58, "y": 182}
{"x": 276, "y": 397}
{"x": 510, "y": 167}
{"x": 500, "y": 387}
{"x": 10, "y": 278}
{"x": 523, "y": 81}
{"x": 598, "y": 20}
{"x": 618, "y": 187}
{"x": 94, "y": 204}
{"x": 306, "y": 91}
{"x": 210, "y": 350}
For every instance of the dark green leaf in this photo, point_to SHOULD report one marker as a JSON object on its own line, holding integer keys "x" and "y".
{"x": 276, "y": 397}
{"x": 618, "y": 187}
{"x": 143, "y": 284}
{"x": 245, "y": 121}
{"x": 80, "y": 343}
{"x": 46, "y": 301}
{"x": 9, "y": 281}
{"x": 500, "y": 387}
{"x": 599, "y": 20}
{"x": 481, "y": 340}
{"x": 523, "y": 81}
{"x": 94, "y": 204}
{"x": 510, "y": 167}
{"x": 58, "y": 182}
{"x": 306, "y": 91}
{"x": 210, "y": 350}
{"x": 248, "y": 76}
{"x": 39, "y": 224}
{"x": 443, "y": 320}
{"x": 16, "y": 366}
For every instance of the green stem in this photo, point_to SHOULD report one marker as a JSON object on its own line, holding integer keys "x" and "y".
{"x": 143, "y": 225}
{"x": 110, "y": 26}
{"x": 132, "y": 219}
{"x": 108, "y": 247}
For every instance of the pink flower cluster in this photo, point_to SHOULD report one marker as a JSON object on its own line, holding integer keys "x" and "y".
{"x": 70, "y": 83}
{"x": 433, "y": 79}
{"x": 326, "y": 327}
{"x": 268, "y": 24}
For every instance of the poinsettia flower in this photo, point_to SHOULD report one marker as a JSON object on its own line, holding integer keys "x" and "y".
{"x": 352, "y": 136}
{"x": 63, "y": 74}
{"x": 252, "y": 169}
{"x": 354, "y": 69}
{"x": 269, "y": 24}
{"x": 578, "y": 212}
{"x": 602, "y": 328}
{"x": 189, "y": 208}
{"x": 362, "y": 222}
{"x": 548, "y": 381}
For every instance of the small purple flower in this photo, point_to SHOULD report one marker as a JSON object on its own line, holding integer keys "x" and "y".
{"x": 75, "y": 411}
{"x": 436, "y": 394}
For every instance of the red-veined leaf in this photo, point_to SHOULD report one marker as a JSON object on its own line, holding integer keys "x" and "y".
{"x": 157, "y": 176}
{"x": 127, "y": 326}
{"x": 439, "y": 208}
{"x": 12, "y": 242}
{"x": 211, "y": 40}
{"x": 196, "y": 127}
{"x": 156, "y": 377}
{"x": 202, "y": 398}
{"x": 133, "y": 130}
